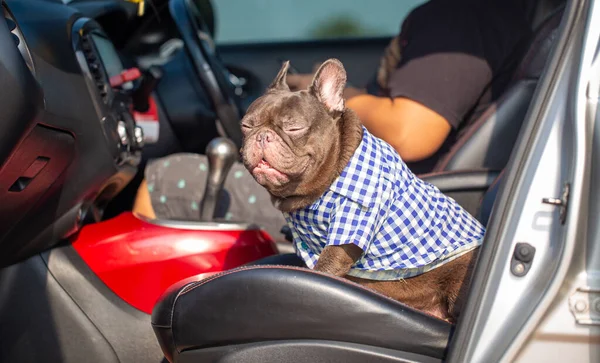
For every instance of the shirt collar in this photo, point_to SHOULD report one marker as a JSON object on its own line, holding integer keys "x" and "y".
{"x": 359, "y": 180}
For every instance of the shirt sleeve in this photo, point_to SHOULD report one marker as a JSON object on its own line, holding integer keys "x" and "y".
{"x": 352, "y": 223}
{"x": 442, "y": 64}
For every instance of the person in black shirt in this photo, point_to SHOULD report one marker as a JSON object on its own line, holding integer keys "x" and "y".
{"x": 449, "y": 62}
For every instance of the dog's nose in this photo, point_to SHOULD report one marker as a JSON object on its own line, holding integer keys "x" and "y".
{"x": 264, "y": 138}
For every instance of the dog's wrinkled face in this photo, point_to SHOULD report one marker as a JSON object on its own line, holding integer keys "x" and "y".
{"x": 289, "y": 135}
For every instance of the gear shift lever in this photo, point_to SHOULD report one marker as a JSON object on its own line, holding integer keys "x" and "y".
{"x": 221, "y": 153}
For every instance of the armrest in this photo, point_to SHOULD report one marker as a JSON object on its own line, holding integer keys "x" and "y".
{"x": 467, "y": 187}
{"x": 461, "y": 180}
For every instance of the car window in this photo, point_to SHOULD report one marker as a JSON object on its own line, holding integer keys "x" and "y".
{"x": 260, "y": 21}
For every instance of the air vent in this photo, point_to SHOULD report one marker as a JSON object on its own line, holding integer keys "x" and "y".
{"x": 17, "y": 37}
{"x": 95, "y": 66}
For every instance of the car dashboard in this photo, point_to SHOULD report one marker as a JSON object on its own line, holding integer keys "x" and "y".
{"x": 69, "y": 142}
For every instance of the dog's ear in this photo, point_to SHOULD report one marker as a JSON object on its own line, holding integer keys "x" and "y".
{"x": 328, "y": 85}
{"x": 280, "y": 83}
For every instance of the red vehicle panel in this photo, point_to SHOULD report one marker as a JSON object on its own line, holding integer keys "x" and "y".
{"x": 139, "y": 259}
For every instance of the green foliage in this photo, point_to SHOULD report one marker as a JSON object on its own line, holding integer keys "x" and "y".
{"x": 339, "y": 26}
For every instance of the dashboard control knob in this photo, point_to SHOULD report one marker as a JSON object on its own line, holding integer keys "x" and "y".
{"x": 122, "y": 131}
{"x": 138, "y": 134}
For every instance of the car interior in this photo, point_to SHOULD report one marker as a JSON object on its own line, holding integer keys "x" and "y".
{"x": 72, "y": 154}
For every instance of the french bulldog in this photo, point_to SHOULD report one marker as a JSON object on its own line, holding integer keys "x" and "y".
{"x": 304, "y": 147}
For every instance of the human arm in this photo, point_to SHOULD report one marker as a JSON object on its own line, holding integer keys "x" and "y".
{"x": 432, "y": 74}
{"x": 414, "y": 130}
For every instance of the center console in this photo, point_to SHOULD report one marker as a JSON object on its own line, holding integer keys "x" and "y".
{"x": 100, "y": 62}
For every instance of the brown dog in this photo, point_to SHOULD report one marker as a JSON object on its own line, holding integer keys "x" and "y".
{"x": 299, "y": 145}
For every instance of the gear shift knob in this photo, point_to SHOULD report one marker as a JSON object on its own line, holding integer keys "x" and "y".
{"x": 221, "y": 153}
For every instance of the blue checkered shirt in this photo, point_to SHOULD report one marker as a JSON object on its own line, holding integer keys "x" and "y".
{"x": 404, "y": 225}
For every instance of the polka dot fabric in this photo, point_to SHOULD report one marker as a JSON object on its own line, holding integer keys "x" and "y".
{"x": 176, "y": 185}
{"x": 404, "y": 225}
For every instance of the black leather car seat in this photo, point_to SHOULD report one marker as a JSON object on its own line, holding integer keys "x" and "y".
{"x": 279, "y": 305}
{"x": 488, "y": 142}
{"x": 267, "y": 313}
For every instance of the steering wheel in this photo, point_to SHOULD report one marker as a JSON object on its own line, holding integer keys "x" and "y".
{"x": 211, "y": 70}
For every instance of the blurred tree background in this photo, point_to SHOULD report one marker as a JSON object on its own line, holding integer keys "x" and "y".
{"x": 339, "y": 26}
{"x": 257, "y": 21}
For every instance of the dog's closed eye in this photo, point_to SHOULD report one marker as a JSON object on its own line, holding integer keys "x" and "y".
{"x": 296, "y": 130}
{"x": 246, "y": 127}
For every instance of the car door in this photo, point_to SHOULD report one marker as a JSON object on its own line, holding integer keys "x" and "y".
{"x": 550, "y": 311}
{"x": 254, "y": 37}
